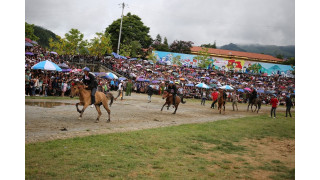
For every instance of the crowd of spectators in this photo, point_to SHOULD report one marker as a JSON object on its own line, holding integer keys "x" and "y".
{"x": 144, "y": 73}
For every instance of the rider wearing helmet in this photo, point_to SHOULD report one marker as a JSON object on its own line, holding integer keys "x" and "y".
{"x": 90, "y": 81}
{"x": 173, "y": 90}
{"x": 253, "y": 95}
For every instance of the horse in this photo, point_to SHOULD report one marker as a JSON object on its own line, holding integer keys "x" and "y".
{"x": 221, "y": 102}
{"x": 256, "y": 102}
{"x": 169, "y": 101}
{"x": 85, "y": 99}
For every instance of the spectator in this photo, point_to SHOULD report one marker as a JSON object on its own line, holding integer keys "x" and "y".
{"x": 274, "y": 102}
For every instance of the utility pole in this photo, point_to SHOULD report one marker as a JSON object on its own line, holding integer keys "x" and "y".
{"x": 123, "y": 5}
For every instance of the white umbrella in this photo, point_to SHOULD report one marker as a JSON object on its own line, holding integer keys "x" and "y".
{"x": 46, "y": 65}
{"x": 202, "y": 85}
{"x": 226, "y": 87}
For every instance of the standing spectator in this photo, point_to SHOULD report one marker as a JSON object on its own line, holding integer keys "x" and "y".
{"x": 150, "y": 92}
{"x": 203, "y": 97}
{"x": 274, "y": 102}
{"x": 214, "y": 96}
{"x": 289, "y": 104}
{"x": 27, "y": 83}
{"x": 64, "y": 87}
{"x": 120, "y": 91}
{"x": 129, "y": 88}
{"x": 235, "y": 99}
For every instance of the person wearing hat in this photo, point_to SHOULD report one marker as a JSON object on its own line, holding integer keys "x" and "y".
{"x": 214, "y": 96}
{"x": 90, "y": 81}
{"x": 173, "y": 90}
{"x": 274, "y": 102}
{"x": 120, "y": 90}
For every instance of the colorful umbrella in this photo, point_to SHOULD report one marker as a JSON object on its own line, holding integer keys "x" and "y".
{"x": 52, "y": 52}
{"x": 189, "y": 84}
{"x": 28, "y": 44}
{"x": 46, "y": 65}
{"x": 247, "y": 89}
{"x": 29, "y": 53}
{"x": 155, "y": 81}
{"x": 240, "y": 90}
{"x": 122, "y": 78}
{"x": 140, "y": 79}
{"x": 226, "y": 87}
{"x": 111, "y": 75}
{"x": 202, "y": 85}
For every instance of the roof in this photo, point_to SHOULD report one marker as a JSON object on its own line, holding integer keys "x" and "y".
{"x": 245, "y": 55}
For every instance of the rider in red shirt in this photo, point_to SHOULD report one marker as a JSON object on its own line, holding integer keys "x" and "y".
{"x": 214, "y": 96}
{"x": 274, "y": 102}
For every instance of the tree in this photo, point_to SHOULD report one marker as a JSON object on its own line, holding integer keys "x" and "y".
{"x": 125, "y": 49}
{"x": 203, "y": 58}
{"x": 44, "y": 36}
{"x": 100, "y": 45}
{"x": 136, "y": 49}
{"x": 210, "y": 45}
{"x": 58, "y": 45}
{"x": 165, "y": 42}
{"x": 152, "y": 56}
{"x": 158, "y": 45}
{"x": 279, "y": 56}
{"x": 181, "y": 46}
{"x": 133, "y": 29}
{"x": 73, "y": 38}
{"x": 176, "y": 60}
{"x": 29, "y": 32}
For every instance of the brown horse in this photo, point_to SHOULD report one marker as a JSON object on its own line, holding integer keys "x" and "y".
{"x": 221, "y": 101}
{"x": 256, "y": 102}
{"x": 85, "y": 99}
{"x": 169, "y": 101}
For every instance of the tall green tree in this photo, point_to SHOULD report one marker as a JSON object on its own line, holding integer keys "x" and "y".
{"x": 136, "y": 49}
{"x": 133, "y": 29}
{"x": 29, "y": 32}
{"x": 44, "y": 36}
{"x": 100, "y": 45}
{"x": 73, "y": 38}
{"x": 203, "y": 58}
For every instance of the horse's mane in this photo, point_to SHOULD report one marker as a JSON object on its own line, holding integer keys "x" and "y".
{"x": 79, "y": 83}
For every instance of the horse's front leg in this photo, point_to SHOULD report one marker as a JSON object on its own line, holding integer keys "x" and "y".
{"x": 255, "y": 108}
{"x": 248, "y": 107}
{"x": 79, "y": 103}
{"x": 84, "y": 108}
{"x": 163, "y": 106}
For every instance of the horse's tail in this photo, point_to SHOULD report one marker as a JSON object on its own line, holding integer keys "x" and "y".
{"x": 110, "y": 96}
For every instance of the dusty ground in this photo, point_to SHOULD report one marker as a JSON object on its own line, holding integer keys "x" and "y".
{"x": 45, "y": 118}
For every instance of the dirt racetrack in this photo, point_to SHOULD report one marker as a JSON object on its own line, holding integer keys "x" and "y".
{"x": 48, "y": 119}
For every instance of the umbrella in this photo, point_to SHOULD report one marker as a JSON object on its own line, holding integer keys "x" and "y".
{"x": 29, "y": 53}
{"x": 240, "y": 90}
{"x": 122, "y": 78}
{"x": 182, "y": 79}
{"x": 270, "y": 92}
{"x": 247, "y": 89}
{"x": 213, "y": 80}
{"x": 46, "y": 65}
{"x": 28, "y": 40}
{"x": 226, "y": 87}
{"x": 155, "y": 81}
{"x": 202, "y": 85}
{"x": 213, "y": 85}
{"x": 28, "y": 44}
{"x": 52, "y": 52}
{"x": 146, "y": 80}
{"x": 138, "y": 65}
{"x": 111, "y": 75}
{"x": 260, "y": 91}
{"x": 101, "y": 74}
{"x": 66, "y": 70}
{"x": 140, "y": 79}
{"x": 34, "y": 42}
{"x": 160, "y": 79}
{"x": 63, "y": 66}
{"x": 189, "y": 84}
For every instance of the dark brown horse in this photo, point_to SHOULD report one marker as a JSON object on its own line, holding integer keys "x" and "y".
{"x": 85, "y": 99}
{"x": 256, "y": 102}
{"x": 169, "y": 101}
{"x": 221, "y": 102}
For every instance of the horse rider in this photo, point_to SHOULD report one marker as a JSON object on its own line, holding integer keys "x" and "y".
{"x": 253, "y": 95}
{"x": 173, "y": 90}
{"x": 224, "y": 96}
{"x": 90, "y": 81}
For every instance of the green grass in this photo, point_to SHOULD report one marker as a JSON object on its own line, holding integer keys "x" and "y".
{"x": 189, "y": 151}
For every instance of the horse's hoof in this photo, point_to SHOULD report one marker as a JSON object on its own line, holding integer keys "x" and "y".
{"x": 79, "y": 118}
{"x": 96, "y": 121}
{"x": 108, "y": 121}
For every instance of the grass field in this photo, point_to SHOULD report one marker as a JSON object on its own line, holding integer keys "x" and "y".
{"x": 247, "y": 148}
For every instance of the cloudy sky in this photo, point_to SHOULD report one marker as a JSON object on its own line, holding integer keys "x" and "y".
{"x": 268, "y": 22}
